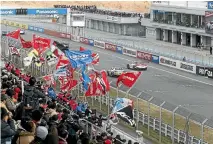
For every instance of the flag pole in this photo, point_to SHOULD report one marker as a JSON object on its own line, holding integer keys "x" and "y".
{"x": 117, "y": 90}
{"x": 137, "y": 122}
{"x": 108, "y": 94}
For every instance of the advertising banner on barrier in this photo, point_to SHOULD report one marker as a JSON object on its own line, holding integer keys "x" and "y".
{"x": 129, "y": 52}
{"x": 51, "y": 33}
{"x": 99, "y": 44}
{"x": 168, "y": 62}
{"x": 36, "y": 29}
{"x": 155, "y": 59}
{"x": 47, "y": 11}
{"x": 75, "y": 38}
{"x": 84, "y": 40}
{"x": 144, "y": 56}
{"x": 8, "y": 12}
{"x": 64, "y": 35}
{"x": 110, "y": 47}
{"x": 91, "y": 42}
{"x": 187, "y": 67}
{"x": 119, "y": 49}
{"x": 204, "y": 71}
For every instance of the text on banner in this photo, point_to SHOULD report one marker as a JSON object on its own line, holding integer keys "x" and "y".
{"x": 84, "y": 40}
{"x": 143, "y": 55}
{"x": 110, "y": 47}
{"x": 64, "y": 35}
{"x": 129, "y": 52}
{"x": 168, "y": 62}
{"x": 187, "y": 67}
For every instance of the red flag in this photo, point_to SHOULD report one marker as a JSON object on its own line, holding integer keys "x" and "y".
{"x": 62, "y": 62}
{"x": 40, "y": 43}
{"x": 92, "y": 89}
{"x": 82, "y": 49}
{"x": 49, "y": 78}
{"x": 25, "y": 44}
{"x": 14, "y": 51}
{"x": 14, "y": 34}
{"x": 128, "y": 78}
{"x": 69, "y": 85}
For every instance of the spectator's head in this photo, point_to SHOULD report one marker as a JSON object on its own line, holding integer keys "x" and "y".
{"x": 58, "y": 109}
{"x": 84, "y": 137}
{"x": 27, "y": 124}
{"x": 107, "y": 141}
{"x": 32, "y": 81}
{"x": 63, "y": 133}
{"x": 129, "y": 142}
{"x": 10, "y": 92}
{"x": 4, "y": 114}
{"x": 54, "y": 118}
{"x": 41, "y": 132}
{"x": 65, "y": 111}
{"x": 64, "y": 116}
{"x": 52, "y": 106}
{"x": 3, "y": 98}
{"x": 36, "y": 115}
{"x": 104, "y": 136}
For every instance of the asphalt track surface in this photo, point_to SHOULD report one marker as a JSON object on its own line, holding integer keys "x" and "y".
{"x": 174, "y": 86}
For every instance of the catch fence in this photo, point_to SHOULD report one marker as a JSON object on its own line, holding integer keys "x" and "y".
{"x": 160, "y": 118}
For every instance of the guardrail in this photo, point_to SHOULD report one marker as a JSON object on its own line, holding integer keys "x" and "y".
{"x": 205, "y": 125}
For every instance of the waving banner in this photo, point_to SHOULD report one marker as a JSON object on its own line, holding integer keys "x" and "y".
{"x": 40, "y": 44}
{"x": 128, "y": 78}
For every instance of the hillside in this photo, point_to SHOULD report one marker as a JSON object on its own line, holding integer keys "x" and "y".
{"x": 136, "y": 6}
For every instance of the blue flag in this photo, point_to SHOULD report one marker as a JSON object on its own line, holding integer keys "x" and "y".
{"x": 77, "y": 58}
{"x": 86, "y": 79}
{"x": 60, "y": 72}
{"x": 51, "y": 93}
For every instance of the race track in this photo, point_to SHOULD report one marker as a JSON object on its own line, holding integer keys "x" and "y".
{"x": 177, "y": 87}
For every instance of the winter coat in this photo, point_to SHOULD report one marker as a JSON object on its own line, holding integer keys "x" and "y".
{"x": 7, "y": 131}
{"x": 10, "y": 104}
{"x": 25, "y": 137}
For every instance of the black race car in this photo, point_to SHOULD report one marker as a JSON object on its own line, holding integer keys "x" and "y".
{"x": 115, "y": 72}
{"x": 137, "y": 66}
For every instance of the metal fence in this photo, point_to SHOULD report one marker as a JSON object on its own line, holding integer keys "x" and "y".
{"x": 162, "y": 117}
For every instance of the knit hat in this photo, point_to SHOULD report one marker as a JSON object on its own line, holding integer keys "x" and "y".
{"x": 41, "y": 132}
{"x": 3, "y": 97}
{"x": 107, "y": 141}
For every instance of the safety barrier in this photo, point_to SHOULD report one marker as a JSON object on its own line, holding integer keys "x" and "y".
{"x": 205, "y": 130}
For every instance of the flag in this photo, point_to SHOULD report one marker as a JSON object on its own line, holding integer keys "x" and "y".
{"x": 69, "y": 85}
{"x": 85, "y": 77}
{"x": 15, "y": 34}
{"x": 40, "y": 44}
{"x": 123, "y": 108}
{"x": 78, "y": 58}
{"x": 63, "y": 61}
{"x": 95, "y": 56}
{"x": 103, "y": 83}
{"x": 35, "y": 57}
{"x": 60, "y": 72}
{"x": 25, "y": 44}
{"x": 51, "y": 58}
{"x": 56, "y": 51}
{"x": 14, "y": 50}
{"x": 128, "y": 78}
{"x": 60, "y": 46}
{"x": 51, "y": 93}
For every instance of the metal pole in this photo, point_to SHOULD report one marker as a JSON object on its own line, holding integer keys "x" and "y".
{"x": 108, "y": 100}
{"x": 187, "y": 129}
{"x": 161, "y": 120}
{"x": 202, "y": 130}
{"x": 173, "y": 124}
{"x": 138, "y": 110}
{"x": 149, "y": 113}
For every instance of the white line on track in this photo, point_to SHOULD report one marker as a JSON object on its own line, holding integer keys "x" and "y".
{"x": 149, "y": 66}
{"x": 158, "y": 69}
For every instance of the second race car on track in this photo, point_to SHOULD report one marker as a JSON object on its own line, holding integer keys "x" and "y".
{"x": 137, "y": 66}
{"x": 115, "y": 72}
{"x": 22, "y": 32}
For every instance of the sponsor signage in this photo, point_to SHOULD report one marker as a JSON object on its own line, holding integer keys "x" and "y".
{"x": 7, "y": 12}
{"x": 143, "y": 55}
{"x": 99, "y": 44}
{"x": 119, "y": 49}
{"x": 51, "y": 11}
{"x": 84, "y": 40}
{"x": 64, "y": 35}
{"x": 91, "y": 42}
{"x": 155, "y": 59}
{"x": 168, "y": 62}
{"x": 110, "y": 47}
{"x": 112, "y": 18}
{"x": 204, "y": 71}
{"x": 129, "y": 52}
{"x": 75, "y": 38}
{"x": 36, "y": 29}
{"x": 187, "y": 67}
{"x": 210, "y": 5}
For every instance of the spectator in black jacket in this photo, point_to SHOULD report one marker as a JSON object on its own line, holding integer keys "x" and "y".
{"x": 7, "y": 127}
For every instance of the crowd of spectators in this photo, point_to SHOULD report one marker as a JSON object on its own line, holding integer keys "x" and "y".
{"x": 29, "y": 116}
{"x": 94, "y": 9}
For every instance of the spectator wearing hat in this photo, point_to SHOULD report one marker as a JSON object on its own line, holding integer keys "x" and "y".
{"x": 40, "y": 136}
{"x": 7, "y": 126}
{"x": 3, "y": 102}
{"x": 51, "y": 110}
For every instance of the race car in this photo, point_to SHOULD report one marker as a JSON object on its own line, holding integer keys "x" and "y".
{"x": 137, "y": 66}
{"x": 22, "y": 32}
{"x": 115, "y": 72}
